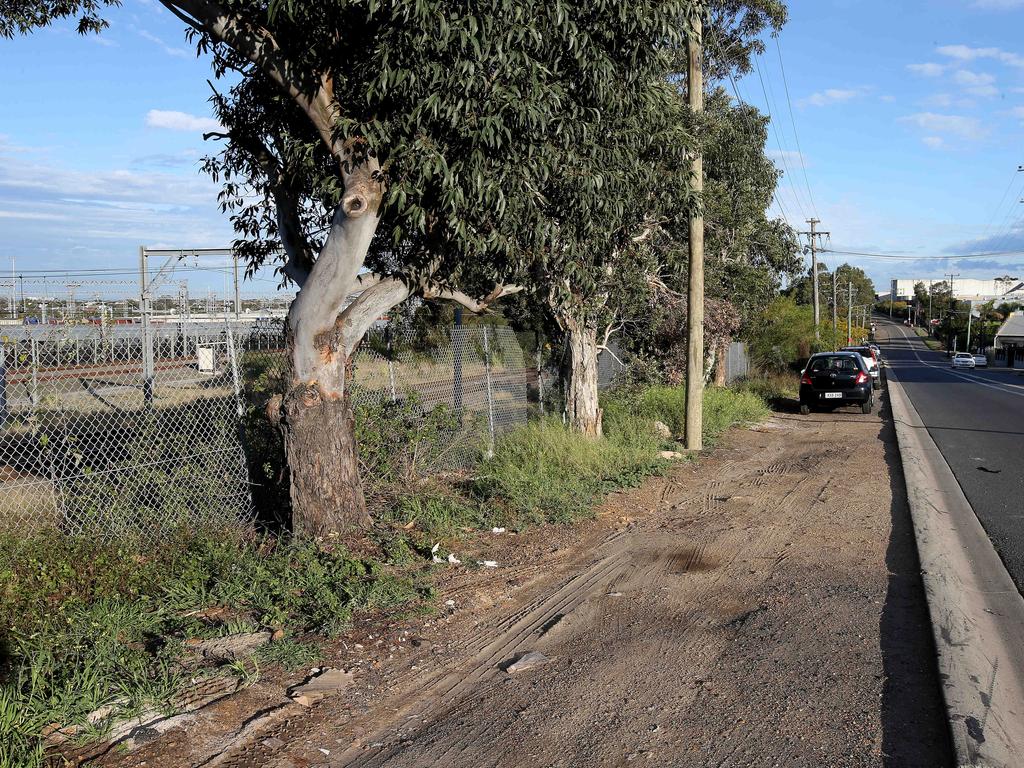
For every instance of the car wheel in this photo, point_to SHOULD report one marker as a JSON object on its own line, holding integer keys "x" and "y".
{"x": 876, "y": 385}
{"x": 805, "y": 410}
{"x": 866, "y": 407}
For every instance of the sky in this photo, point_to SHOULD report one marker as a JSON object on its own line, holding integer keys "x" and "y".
{"x": 902, "y": 132}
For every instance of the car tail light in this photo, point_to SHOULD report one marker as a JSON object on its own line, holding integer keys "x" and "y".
{"x": 806, "y": 379}
{"x": 862, "y": 378}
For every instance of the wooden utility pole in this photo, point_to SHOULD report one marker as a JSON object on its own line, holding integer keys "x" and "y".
{"x": 835, "y": 305}
{"x": 695, "y": 292}
{"x": 812, "y": 236}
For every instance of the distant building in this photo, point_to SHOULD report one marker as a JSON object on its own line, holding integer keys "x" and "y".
{"x": 964, "y": 288}
{"x": 1009, "y": 341}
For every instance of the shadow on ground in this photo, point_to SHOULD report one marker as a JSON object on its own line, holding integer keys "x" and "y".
{"x": 914, "y": 727}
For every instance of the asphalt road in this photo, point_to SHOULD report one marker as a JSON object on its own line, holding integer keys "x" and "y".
{"x": 976, "y": 419}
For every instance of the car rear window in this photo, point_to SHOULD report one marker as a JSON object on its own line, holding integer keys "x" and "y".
{"x": 834, "y": 362}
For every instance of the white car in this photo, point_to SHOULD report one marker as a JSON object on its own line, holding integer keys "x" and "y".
{"x": 980, "y": 361}
{"x": 870, "y": 360}
{"x": 963, "y": 360}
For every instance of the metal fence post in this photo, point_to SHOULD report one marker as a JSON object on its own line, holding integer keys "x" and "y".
{"x": 235, "y": 378}
{"x": 490, "y": 394}
{"x": 147, "y": 331}
{"x": 391, "y": 371}
{"x": 540, "y": 380}
{"x": 35, "y": 373}
{"x": 3, "y": 386}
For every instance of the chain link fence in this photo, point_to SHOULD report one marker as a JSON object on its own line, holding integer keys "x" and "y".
{"x": 737, "y": 362}
{"x": 421, "y": 408}
{"x": 98, "y": 439}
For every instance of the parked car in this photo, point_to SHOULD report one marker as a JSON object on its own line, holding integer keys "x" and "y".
{"x": 836, "y": 378}
{"x": 963, "y": 360}
{"x": 980, "y": 361}
{"x": 874, "y": 369}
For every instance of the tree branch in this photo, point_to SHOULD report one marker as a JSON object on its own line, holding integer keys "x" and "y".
{"x": 476, "y": 306}
{"x": 257, "y": 44}
{"x": 298, "y": 252}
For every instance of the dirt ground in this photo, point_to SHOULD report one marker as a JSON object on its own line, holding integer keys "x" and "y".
{"x": 760, "y": 608}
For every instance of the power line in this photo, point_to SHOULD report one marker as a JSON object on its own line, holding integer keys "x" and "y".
{"x": 739, "y": 99}
{"x": 782, "y": 152}
{"x": 995, "y": 214}
{"x": 792, "y": 119}
{"x": 905, "y": 257}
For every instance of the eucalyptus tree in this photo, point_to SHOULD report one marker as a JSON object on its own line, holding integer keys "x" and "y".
{"x": 388, "y": 149}
{"x": 608, "y": 200}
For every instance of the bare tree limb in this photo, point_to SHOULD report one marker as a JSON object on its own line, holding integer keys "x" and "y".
{"x": 257, "y": 44}
{"x": 476, "y": 306}
{"x": 612, "y": 327}
{"x": 353, "y": 323}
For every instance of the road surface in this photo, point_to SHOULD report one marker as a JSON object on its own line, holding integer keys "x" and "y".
{"x": 976, "y": 419}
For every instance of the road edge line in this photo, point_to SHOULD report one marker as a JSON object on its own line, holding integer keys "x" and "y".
{"x": 977, "y": 613}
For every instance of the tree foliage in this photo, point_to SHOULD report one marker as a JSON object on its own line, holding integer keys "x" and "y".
{"x": 863, "y": 288}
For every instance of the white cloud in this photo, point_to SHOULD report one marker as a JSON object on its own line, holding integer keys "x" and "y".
{"x": 170, "y": 50}
{"x": 31, "y": 215}
{"x": 180, "y": 121}
{"x": 929, "y": 69}
{"x": 976, "y": 83}
{"x": 832, "y": 96}
{"x": 966, "y": 53}
{"x": 935, "y": 142}
{"x": 937, "y": 125}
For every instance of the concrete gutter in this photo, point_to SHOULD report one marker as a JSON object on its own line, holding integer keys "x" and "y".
{"x": 977, "y": 613}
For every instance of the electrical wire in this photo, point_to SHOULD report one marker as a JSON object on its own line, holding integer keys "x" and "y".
{"x": 740, "y": 101}
{"x": 907, "y": 257}
{"x": 796, "y": 136}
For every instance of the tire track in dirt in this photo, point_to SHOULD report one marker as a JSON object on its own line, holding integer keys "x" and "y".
{"x": 697, "y": 635}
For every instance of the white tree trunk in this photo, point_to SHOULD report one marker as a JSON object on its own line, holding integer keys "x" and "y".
{"x": 316, "y": 414}
{"x": 581, "y": 393}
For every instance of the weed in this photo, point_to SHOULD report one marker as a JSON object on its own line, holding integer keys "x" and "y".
{"x": 86, "y": 624}
{"x": 290, "y": 654}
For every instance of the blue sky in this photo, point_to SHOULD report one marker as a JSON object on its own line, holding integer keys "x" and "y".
{"x": 909, "y": 118}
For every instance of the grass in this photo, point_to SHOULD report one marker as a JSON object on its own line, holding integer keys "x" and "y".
{"x": 545, "y": 473}
{"x": 930, "y": 341}
{"x": 86, "y": 624}
{"x": 774, "y": 388}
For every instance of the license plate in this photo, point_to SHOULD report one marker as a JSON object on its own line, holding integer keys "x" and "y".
{"x": 833, "y": 395}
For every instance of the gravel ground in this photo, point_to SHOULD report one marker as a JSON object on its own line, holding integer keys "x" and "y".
{"x": 760, "y": 608}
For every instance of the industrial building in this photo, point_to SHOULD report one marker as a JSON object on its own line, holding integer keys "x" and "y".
{"x": 1004, "y": 288}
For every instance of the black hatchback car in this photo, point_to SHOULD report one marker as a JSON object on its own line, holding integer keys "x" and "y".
{"x": 836, "y": 378}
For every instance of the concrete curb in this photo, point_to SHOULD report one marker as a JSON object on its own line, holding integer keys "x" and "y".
{"x": 977, "y": 613}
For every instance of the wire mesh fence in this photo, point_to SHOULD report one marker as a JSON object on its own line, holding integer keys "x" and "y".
{"x": 421, "y": 408}
{"x": 97, "y": 439}
{"x": 100, "y": 436}
{"x": 737, "y": 362}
